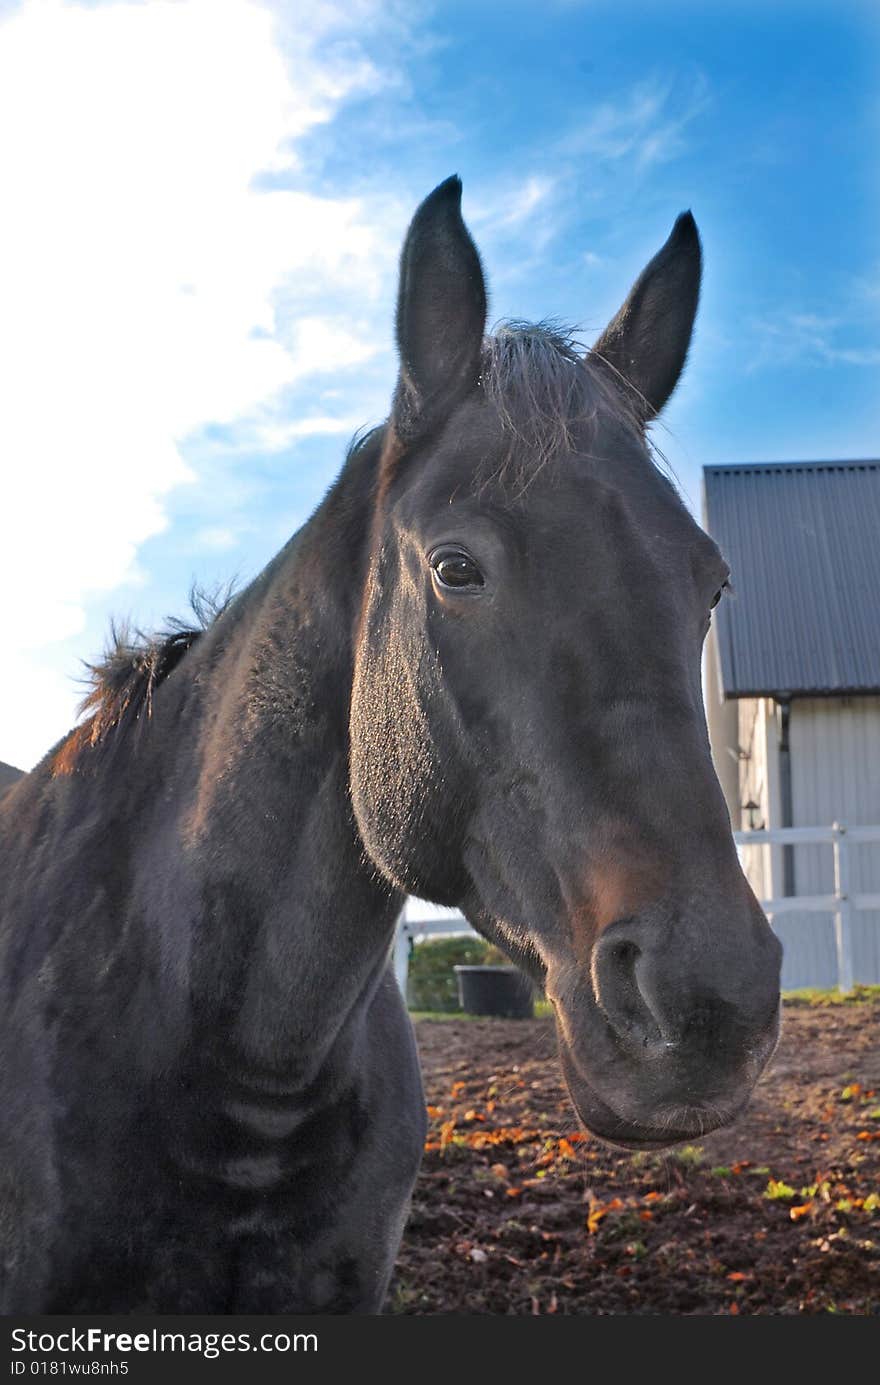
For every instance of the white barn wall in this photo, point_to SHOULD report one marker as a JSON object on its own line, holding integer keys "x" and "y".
{"x": 723, "y": 726}
{"x": 835, "y": 762}
{"x": 835, "y": 771}
{"x": 754, "y": 788}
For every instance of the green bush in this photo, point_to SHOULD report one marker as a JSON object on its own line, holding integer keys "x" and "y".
{"x": 432, "y": 982}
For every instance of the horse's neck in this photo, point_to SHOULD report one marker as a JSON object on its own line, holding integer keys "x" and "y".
{"x": 295, "y": 921}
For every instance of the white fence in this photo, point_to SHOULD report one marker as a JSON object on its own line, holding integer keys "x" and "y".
{"x": 842, "y": 902}
{"x": 422, "y": 920}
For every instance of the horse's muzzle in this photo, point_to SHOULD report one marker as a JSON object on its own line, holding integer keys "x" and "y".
{"x": 650, "y": 1096}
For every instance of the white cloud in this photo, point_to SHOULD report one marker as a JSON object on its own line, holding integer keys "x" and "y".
{"x": 514, "y": 205}
{"x": 272, "y": 431}
{"x": 523, "y": 212}
{"x": 815, "y": 338}
{"x": 275, "y": 436}
{"x": 321, "y": 344}
{"x": 215, "y": 538}
{"x": 646, "y": 126}
{"x": 140, "y": 273}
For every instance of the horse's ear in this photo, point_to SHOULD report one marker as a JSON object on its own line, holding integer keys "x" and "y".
{"x": 441, "y": 311}
{"x": 645, "y": 345}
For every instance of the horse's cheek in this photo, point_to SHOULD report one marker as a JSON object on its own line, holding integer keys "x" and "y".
{"x": 400, "y": 774}
{"x": 385, "y": 760}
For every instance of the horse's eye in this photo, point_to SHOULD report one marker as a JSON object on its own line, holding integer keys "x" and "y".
{"x": 455, "y": 568}
{"x": 718, "y": 595}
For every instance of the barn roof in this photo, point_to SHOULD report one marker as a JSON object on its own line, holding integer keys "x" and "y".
{"x": 803, "y": 543}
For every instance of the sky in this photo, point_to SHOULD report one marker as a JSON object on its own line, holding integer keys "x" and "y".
{"x": 203, "y": 205}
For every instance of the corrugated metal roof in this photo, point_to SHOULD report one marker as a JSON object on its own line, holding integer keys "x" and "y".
{"x": 803, "y": 543}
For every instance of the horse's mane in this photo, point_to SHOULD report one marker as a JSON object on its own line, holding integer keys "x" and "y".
{"x": 121, "y": 685}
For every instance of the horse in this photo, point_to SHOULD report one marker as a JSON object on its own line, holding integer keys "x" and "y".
{"x": 473, "y": 676}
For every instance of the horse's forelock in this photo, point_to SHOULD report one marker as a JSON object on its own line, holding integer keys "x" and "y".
{"x": 549, "y": 396}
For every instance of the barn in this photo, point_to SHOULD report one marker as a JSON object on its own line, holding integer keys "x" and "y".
{"x": 792, "y": 687}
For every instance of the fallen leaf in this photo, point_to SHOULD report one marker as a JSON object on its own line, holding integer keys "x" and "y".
{"x": 595, "y": 1217}
{"x": 446, "y": 1131}
{"x": 778, "y": 1191}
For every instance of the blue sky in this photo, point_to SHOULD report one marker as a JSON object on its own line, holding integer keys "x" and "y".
{"x": 205, "y": 201}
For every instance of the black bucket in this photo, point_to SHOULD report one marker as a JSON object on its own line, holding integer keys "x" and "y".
{"x": 500, "y": 991}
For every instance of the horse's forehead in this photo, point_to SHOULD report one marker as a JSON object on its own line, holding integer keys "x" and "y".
{"x": 477, "y": 464}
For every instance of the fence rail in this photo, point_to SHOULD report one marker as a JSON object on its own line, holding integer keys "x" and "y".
{"x": 841, "y": 903}
{"x": 442, "y": 923}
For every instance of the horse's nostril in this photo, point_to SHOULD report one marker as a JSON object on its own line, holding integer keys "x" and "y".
{"x": 616, "y": 984}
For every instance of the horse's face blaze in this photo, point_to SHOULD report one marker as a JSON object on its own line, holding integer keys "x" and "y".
{"x": 528, "y": 734}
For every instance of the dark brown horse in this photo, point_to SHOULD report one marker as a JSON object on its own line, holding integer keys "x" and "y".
{"x": 473, "y": 675}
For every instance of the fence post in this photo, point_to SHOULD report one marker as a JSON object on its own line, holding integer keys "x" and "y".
{"x": 401, "y": 954}
{"x": 843, "y": 913}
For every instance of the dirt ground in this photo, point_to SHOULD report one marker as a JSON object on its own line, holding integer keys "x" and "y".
{"x": 517, "y": 1212}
